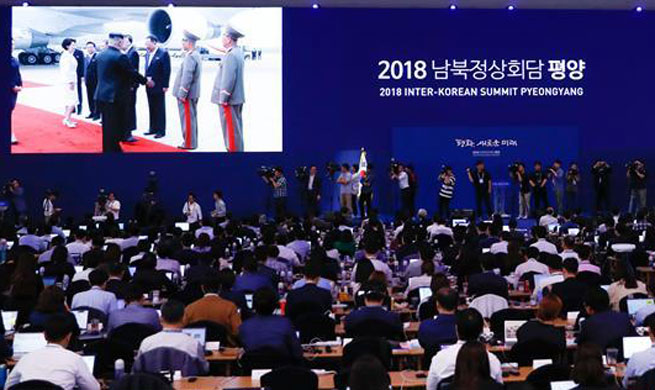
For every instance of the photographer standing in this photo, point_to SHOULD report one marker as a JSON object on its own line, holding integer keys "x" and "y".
{"x": 14, "y": 190}
{"x": 572, "y": 186}
{"x": 279, "y": 184}
{"x": 366, "y": 196}
{"x": 538, "y": 183}
{"x": 192, "y": 210}
{"x": 524, "y": 191}
{"x": 556, "y": 174}
{"x": 601, "y": 172}
{"x": 113, "y": 205}
{"x": 312, "y": 190}
{"x": 446, "y": 192}
{"x": 481, "y": 180}
{"x": 345, "y": 188}
{"x": 49, "y": 209}
{"x": 355, "y": 184}
{"x": 398, "y": 173}
{"x": 636, "y": 174}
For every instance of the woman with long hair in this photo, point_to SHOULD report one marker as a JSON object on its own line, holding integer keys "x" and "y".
{"x": 625, "y": 283}
{"x": 26, "y": 286}
{"x": 588, "y": 370}
{"x": 472, "y": 371}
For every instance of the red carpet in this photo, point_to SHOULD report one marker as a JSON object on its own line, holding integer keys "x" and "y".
{"x": 32, "y": 84}
{"x": 40, "y": 131}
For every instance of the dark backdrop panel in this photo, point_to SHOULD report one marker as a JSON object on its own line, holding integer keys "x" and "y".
{"x": 331, "y": 103}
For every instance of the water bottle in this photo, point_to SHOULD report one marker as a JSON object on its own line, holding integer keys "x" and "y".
{"x": 119, "y": 369}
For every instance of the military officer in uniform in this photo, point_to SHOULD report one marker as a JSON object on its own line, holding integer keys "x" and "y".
{"x": 228, "y": 91}
{"x": 115, "y": 78}
{"x": 16, "y": 85}
{"x": 186, "y": 89}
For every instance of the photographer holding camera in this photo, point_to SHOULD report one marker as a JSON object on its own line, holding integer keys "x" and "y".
{"x": 556, "y": 174}
{"x": 446, "y": 192}
{"x": 16, "y": 194}
{"x": 279, "y": 184}
{"x": 481, "y": 180}
{"x": 601, "y": 172}
{"x": 398, "y": 173}
{"x": 572, "y": 186}
{"x": 538, "y": 183}
{"x": 636, "y": 174}
{"x": 519, "y": 174}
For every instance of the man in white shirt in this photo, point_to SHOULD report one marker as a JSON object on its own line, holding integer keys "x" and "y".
{"x": 542, "y": 245}
{"x": 405, "y": 190}
{"x": 370, "y": 252}
{"x": 549, "y": 218}
{"x": 113, "y": 205}
{"x": 78, "y": 247}
{"x": 641, "y": 362}
{"x": 192, "y": 209}
{"x": 531, "y": 264}
{"x": 205, "y": 228}
{"x": 555, "y": 275}
{"x": 568, "y": 246}
{"x": 469, "y": 327}
{"x": 345, "y": 188}
{"x": 438, "y": 227}
{"x": 54, "y": 363}
{"x": 96, "y": 297}
{"x": 500, "y": 246}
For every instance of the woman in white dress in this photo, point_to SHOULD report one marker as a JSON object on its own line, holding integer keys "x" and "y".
{"x": 68, "y": 71}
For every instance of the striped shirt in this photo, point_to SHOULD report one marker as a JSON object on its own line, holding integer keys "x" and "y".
{"x": 281, "y": 190}
{"x": 447, "y": 188}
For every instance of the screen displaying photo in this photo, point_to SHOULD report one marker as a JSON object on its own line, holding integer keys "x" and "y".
{"x": 146, "y": 80}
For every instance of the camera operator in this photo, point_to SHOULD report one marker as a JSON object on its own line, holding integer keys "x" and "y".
{"x": 601, "y": 172}
{"x": 113, "y": 205}
{"x": 49, "y": 209}
{"x": 345, "y": 188}
{"x": 446, "y": 192}
{"x": 521, "y": 177}
{"x": 398, "y": 173}
{"x": 572, "y": 186}
{"x": 636, "y": 174}
{"x": 279, "y": 184}
{"x": 538, "y": 182}
{"x": 556, "y": 174}
{"x": 15, "y": 192}
{"x": 312, "y": 191}
{"x": 192, "y": 210}
{"x": 366, "y": 196}
{"x": 481, "y": 180}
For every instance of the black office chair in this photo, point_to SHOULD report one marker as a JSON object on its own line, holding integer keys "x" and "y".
{"x": 591, "y": 279}
{"x": 446, "y": 383}
{"x": 35, "y": 385}
{"x": 290, "y": 378}
{"x": 214, "y": 331}
{"x": 527, "y": 351}
{"x": 313, "y": 326}
{"x": 541, "y": 377}
{"x": 497, "y": 320}
{"x": 122, "y": 343}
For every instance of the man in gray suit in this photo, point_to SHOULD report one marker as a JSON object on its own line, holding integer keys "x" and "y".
{"x": 228, "y": 91}
{"x": 187, "y": 90}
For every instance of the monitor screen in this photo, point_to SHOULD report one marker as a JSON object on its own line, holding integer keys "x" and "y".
{"x": 632, "y": 345}
{"x": 182, "y": 225}
{"x": 28, "y": 342}
{"x": 82, "y": 317}
{"x": 460, "y": 222}
{"x": 49, "y": 281}
{"x": 424, "y": 293}
{"x": 635, "y": 304}
{"x": 511, "y": 327}
{"x": 9, "y": 319}
{"x": 90, "y": 362}
{"x": 197, "y": 333}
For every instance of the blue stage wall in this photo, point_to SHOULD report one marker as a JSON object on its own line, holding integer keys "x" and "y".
{"x": 332, "y": 107}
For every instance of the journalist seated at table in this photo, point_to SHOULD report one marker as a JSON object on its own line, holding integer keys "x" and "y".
{"x": 439, "y": 331}
{"x": 641, "y": 362}
{"x": 96, "y": 297}
{"x": 250, "y": 278}
{"x": 373, "y": 312}
{"x": 134, "y": 312}
{"x": 543, "y": 327}
{"x": 212, "y": 307}
{"x": 310, "y": 297}
{"x": 268, "y": 331}
{"x": 54, "y": 363}
{"x": 469, "y": 327}
{"x": 604, "y": 327}
{"x": 487, "y": 282}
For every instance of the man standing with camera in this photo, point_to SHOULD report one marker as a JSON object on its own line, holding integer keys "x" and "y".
{"x": 636, "y": 174}
{"x": 601, "y": 172}
{"x": 446, "y": 192}
{"x": 572, "y": 186}
{"x": 279, "y": 184}
{"x": 398, "y": 173}
{"x": 556, "y": 174}
{"x": 481, "y": 180}
{"x": 366, "y": 195}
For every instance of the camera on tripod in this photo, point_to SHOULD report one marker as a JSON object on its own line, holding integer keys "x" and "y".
{"x": 301, "y": 173}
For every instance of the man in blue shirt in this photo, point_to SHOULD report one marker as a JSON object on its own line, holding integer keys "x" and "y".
{"x": 440, "y": 330}
{"x": 96, "y": 297}
{"x": 374, "y": 313}
{"x": 268, "y": 331}
{"x": 643, "y": 361}
{"x": 134, "y": 312}
{"x": 604, "y": 326}
{"x": 250, "y": 279}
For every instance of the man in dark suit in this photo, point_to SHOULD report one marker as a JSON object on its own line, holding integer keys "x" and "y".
{"x": 133, "y": 57}
{"x": 487, "y": 282}
{"x": 15, "y": 83}
{"x": 604, "y": 327}
{"x": 91, "y": 80}
{"x": 79, "y": 56}
{"x": 374, "y": 313}
{"x": 310, "y": 297}
{"x": 115, "y": 78}
{"x": 438, "y": 331}
{"x": 158, "y": 69}
{"x": 115, "y": 283}
{"x": 571, "y": 291}
{"x": 312, "y": 191}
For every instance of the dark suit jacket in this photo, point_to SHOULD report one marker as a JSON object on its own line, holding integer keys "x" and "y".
{"x": 118, "y": 287}
{"x": 605, "y": 328}
{"x": 133, "y": 56}
{"x": 308, "y": 298}
{"x": 316, "y": 186}
{"x": 373, "y": 313}
{"x": 15, "y": 80}
{"x": 91, "y": 75}
{"x": 535, "y": 330}
{"x": 487, "y": 283}
{"x": 571, "y": 292}
{"x": 115, "y": 76}
{"x": 79, "y": 56}
{"x": 159, "y": 69}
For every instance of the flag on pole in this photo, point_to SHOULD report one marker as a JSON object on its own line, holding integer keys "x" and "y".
{"x": 362, "y": 168}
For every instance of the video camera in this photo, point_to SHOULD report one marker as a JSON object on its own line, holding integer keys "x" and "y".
{"x": 394, "y": 166}
{"x": 332, "y": 168}
{"x": 301, "y": 172}
{"x": 635, "y": 165}
{"x": 266, "y": 172}
{"x": 514, "y": 167}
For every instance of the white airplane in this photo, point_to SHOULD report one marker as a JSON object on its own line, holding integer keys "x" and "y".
{"x": 37, "y": 30}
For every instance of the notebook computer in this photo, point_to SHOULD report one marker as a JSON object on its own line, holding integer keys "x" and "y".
{"x": 635, "y": 304}
{"x": 9, "y": 320}
{"x": 635, "y": 344}
{"x": 182, "y": 225}
{"x": 90, "y": 362}
{"x": 562, "y": 385}
{"x": 25, "y": 343}
{"x": 197, "y": 333}
{"x": 82, "y": 318}
{"x": 511, "y": 326}
{"x": 424, "y": 293}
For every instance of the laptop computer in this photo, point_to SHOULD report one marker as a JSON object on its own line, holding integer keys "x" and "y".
{"x": 249, "y": 301}
{"x": 49, "y": 281}
{"x": 460, "y": 222}
{"x": 635, "y": 304}
{"x": 511, "y": 326}
{"x": 25, "y": 343}
{"x": 182, "y": 225}
{"x": 632, "y": 345}
{"x": 562, "y": 385}
{"x": 424, "y": 293}
{"x": 198, "y": 334}
{"x": 90, "y": 362}
{"x": 9, "y": 320}
{"x": 82, "y": 318}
